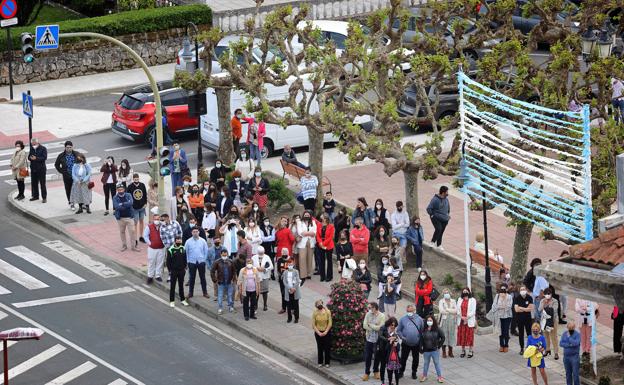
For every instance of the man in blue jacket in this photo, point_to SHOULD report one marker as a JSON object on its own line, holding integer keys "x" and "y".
{"x": 124, "y": 213}
{"x": 571, "y": 344}
{"x": 410, "y": 330}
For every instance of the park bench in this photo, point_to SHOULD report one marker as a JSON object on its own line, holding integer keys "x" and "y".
{"x": 479, "y": 258}
{"x": 297, "y": 172}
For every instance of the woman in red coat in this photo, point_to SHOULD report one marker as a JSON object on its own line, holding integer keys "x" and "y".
{"x": 325, "y": 243}
{"x": 424, "y": 287}
{"x": 283, "y": 236}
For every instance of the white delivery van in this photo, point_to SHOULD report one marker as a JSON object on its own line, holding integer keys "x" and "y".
{"x": 276, "y": 136}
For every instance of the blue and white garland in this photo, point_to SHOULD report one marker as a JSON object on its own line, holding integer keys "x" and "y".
{"x": 549, "y": 185}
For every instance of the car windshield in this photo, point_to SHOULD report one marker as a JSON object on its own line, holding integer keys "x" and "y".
{"x": 571, "y": 10}
{"x": 225, "y": 50}
{"x": 130, "y": 103}
{"x": 271, "y": 55}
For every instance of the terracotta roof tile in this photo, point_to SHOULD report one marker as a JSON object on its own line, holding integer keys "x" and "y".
{"x": 607, "y": 248}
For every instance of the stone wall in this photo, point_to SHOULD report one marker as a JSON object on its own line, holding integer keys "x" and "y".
{"x": 94, "y": 56}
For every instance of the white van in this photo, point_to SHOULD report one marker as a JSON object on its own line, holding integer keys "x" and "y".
{"x": 276, "y": 136}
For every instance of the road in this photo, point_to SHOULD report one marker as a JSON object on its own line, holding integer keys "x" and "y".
{"x": 104, "y": 326}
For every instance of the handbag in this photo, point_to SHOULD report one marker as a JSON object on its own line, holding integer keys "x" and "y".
{"x": 434, "y": 294}
{"x": 300, "y": 197}
{"x": 23, "y": 172}
{"x": 91, "y": 185}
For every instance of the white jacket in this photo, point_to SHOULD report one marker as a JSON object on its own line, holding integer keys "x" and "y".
{"x": 447, "y": 309}
{"x": 246, "y": 168}
{"x": 254, "y": 236}
{"x": 301, "y": 227}
{"x": 257, "y": 262}
{"x": 471, "y": 315}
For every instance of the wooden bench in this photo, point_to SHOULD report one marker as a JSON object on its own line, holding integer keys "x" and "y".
{"x": 478, "y": 257}
{"x": 298, "y": 172}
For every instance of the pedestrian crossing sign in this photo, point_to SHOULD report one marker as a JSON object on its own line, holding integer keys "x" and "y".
{"x": 47, "y": 37}
{"x": 27, "y": 105}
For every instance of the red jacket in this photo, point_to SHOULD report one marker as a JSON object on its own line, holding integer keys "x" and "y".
{"x": 359, "y": 239}
{"x": 328, "y": 241}
{"x": 284, "y": 238}
{"x": 425, "y": 292}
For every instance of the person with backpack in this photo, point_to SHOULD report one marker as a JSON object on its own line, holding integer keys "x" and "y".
{"x": 409, "y": 330}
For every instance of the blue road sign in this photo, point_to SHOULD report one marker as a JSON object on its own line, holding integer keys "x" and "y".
{"x": 47, "y": 37}
{"x": 27, "y": 105}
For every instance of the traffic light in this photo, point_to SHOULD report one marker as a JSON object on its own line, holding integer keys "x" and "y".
{"x": 163, "y": 161}
{"x": 27, "y": 47}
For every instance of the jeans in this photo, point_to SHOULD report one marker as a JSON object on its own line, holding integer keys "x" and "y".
{"x": 229, "y": 289}
{"x": 255, "y": 153}
{"x": 405, "y": 352}
{"x": 177, "y": 276}
{"x": 195, "y": 268}
{"x": 249, "y": 303}
{"x": 572, "y": 365}
{"x": 435, "y": 356}
{"x": 293, "y": 307}
{"x": 323, "y": 348}
{"x": 176, "y": 180}
{"x": 503, "y": 339}
{"x": 439, "y": 227}
{"x": 418, "y": 253}
{"x": 370, "y": 352}
{"x": 401, "y": 237}
{"x": 326, "y": 264}
{"x": 38, "y": 178}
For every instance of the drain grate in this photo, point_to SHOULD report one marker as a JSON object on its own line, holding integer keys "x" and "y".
{"x": 68, "y": 220}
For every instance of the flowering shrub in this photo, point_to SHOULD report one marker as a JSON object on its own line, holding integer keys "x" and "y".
{"x": 348, "y": 306}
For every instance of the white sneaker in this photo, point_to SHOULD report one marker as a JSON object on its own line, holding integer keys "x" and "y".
{"x": 171, "y": 304}
{"x": 72, "y": 207}
{"x": 441, "y": 248}
{"x": 220, "y": 311}
{"x": 231, "y": 309}
{"x": 185, "y": 303}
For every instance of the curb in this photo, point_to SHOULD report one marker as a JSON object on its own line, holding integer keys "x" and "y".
{"x": 50, "y": 225}
{"x": 76, "y": 95}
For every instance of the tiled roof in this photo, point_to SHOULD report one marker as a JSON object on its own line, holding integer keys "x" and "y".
{"x": 607, "y": 248}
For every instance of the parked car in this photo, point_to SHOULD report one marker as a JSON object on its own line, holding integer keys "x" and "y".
{"x": 133, "y": 116}
{"x": 448, "y": 102}
{"x": 526, "y": 24}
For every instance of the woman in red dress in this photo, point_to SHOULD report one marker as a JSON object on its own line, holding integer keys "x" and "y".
{"x": 283, "y": 236}
{"x": 466, "y": 322}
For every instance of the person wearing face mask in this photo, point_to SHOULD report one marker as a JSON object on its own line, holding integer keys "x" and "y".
{"x": 19, "y": 169}
{"x": 363, "y": 211}
{"x": 363, "y": 277}
{"x": 253, "y": 235}
{"x": 176, "y": 264}
{"x": 139, "y": 201}
{"x": 225, "y": 204}
{"x": 448, "y": 322}
{"x": 292, "y": 290}
{"x": 523, "y": 308}
{"x": 500, "y": 316}
{"x": 267, "y": 233}
{"x": 309, "y": 184}
{"x": 571, "y": 344}
{"x": 281, "y": 265}
{"x": 400, "y": 223}
{"x": 306, "y": 230}
{"x": 439, "y": 210}
{"x": 187, "y": 231}
{"x": 397, "y": 252}
{"x": 196, "y": 258}
{"x": 237, "y": 129}
{"x": 359, "y": 237}
{"x": 381, "y": 243}
{"x": 196, "y": 201}
{"x": 381, "y": 215}
{"x": 245, "y": 167}
{"x": 125, "y": 173}
{"x": 341, "y": 222}
{"x": 237, "y": 188}
{"x": 389, "y": 341}
{"x": 284, "y": 238}
{"x": 410, "y": 331}
{"x": 466, "y": 322}
{"x": 211, "y": 195}
{"x": 322, "y": 324}
{"x": 249, "y": 288}
{"x": 383, "y": 271}
{"x": 325, "y": 243}
{"x": 263, "y": 264}
{"x": 37, "y": 156}
{"x": 81, "y": 193}
{"x": 432, "y": 339}
{"x": 549, "y": 321}
{"x": 343, "y": 249}
{"x": 109, "y": 180}
{"x": 423, "y": 289}
{"x": 415, "y": 237}
{"x": 64, "y": 164}
{"x": 255, "y": 139}
{"x": 259, "y": 187}
{"x": 178, "y": 164}
{"x": 218, "y": 174}
{"x": 231, "y": 226}
{"x": 122, "y": 206}
{"x": 373, "y": 321}
{"x": 223, "y": 274}
{"x": 155, "y": 248}
{"x": 536, "y": 348}
{"x": 388, "y": 300}
{"x": 209, "y": 221}
{"x": 253, "y": 212}
{"x": 179, "y": 206}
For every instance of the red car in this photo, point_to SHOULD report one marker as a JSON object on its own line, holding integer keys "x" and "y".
{"x": 134, "y": 113}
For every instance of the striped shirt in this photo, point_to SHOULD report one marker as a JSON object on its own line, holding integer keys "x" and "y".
{"x": 308, "y": 187}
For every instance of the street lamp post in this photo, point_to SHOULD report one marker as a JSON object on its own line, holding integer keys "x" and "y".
{"x": 196, "y": 97}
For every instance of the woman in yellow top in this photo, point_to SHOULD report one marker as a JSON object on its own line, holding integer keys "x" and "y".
{"x": 322, "y": 323}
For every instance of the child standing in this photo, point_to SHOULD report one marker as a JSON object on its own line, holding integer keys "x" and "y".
{"x": 329, "y": 205}
{"x": 388, "y": 298}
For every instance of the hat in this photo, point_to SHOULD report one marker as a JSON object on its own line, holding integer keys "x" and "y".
{"x": 120, "y": 185}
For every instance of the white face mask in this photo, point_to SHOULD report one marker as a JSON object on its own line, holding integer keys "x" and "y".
{"x": 423, "y": 277}
{"x": 290, "y": 267}
{"x": 249, "y": 265}
{"x": 447, "y": 296}
{"x": 191, "y": 225}
{"x": 258, "y": 174}
{"x": 362, "y": 266}
{"x": 378, "y": 207}
{"x": 176, "y": 147}
{"x": 218, "y": 165}
{"x": 251, "y": 224}
{"x": 18, "y": 148}
{"x": 237, "y": 179}
{"x": 186, "y": 183}
{"x": 410, "y": 314}
{"x": 384, "y": 261}
{"x": 523, "y": 292}
{"x": 255, "y": 209}
{"x": 548, "y": 296}
{"x": 243, "y": 156}
{"x": 224, "y": 257}
{"x": 156, "y": 222}
{"x": 267, "y": 223}
{"x": 239, "y": 116}
{"x": 222, "y": 194}
{"x": 429, "y": 323}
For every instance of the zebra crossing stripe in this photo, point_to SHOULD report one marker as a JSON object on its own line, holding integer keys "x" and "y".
{"x": 73, "y": 297}
{"x": 34, "y": 361}
{"x": 51, "y": 155}
{"x": 4, "y": 290}
{"x": 49, "y": 146}
{"x": 81, "y": 258}
{"x": 45, "y": 264}
{"x": 50, "y": 166}
{"x": 9, "y": 344}
{"x": 118, "y": 381}
{"x": 73, "y": 374}
{"x": 3, "y": 315}
{"x": 19, "y": 276}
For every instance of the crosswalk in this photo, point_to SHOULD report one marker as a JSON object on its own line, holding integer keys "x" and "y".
{"x": 54, "y": 149}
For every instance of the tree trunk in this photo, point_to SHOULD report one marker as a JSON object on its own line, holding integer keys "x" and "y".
{"x": 315, "y": 161}
{"x": 411, "y": 191}
{"x": 226, "y": 150}
{"x": 522, "y": 240}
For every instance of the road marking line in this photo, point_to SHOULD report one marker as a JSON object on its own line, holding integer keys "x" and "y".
{"x": 34, "y": 361}
{"x": 118, "y": 381}
{"x": 70, "y": 344}
{"x": 45, "y": 264}
{"x": 9, "y": 344}
{"x": 3, "y": 315}
{"x": 219, "y": 332}
{"x": 73, "y": 297}
{"x": 73, "y": 374}
{"x": 19, "y": 276}
{"x": 201, "y": 329}
{"x": 51, "y": 155}
{"x": 50, "y": 166}
{"x": 4, "y": 290}
{"x": 81, "y": 258}
{"x": 49, "y": 146}
{"x": 123, "y": 147}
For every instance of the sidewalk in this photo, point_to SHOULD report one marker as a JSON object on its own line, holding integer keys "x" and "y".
{"x": 100, "y": 234}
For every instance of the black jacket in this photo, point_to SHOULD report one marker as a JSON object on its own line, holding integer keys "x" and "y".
{"x": 384, "y": 344}
{"x": 243, "y": 189}
{"x": 218, "y": 173}
{"x": 226, "y": 207}
{"x": 61, "y": 164}
{"x": 188, "y": 233}
{"x": 176, "y": 258}
{"x": 364, "y": 277}
{"x": 41, "y": 153}
{"x": 264, "y": 186}
{"x": 431, "y": 340}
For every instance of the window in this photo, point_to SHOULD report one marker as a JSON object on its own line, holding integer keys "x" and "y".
{"x": 174, "y": 98}
{"x": 338, "y": 39}
{"x": 130, "y": 103}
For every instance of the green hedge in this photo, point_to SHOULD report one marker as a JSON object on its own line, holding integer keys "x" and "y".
{"x": 124, "y": 23}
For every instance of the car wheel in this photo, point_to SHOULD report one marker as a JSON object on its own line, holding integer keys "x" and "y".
{"x": 149, "y": 134}
{"x": 267, "y": 149}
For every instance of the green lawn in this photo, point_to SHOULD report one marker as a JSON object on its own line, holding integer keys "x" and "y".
{"x": 49, "y": 15}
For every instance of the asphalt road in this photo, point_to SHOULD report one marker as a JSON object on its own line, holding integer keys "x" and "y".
{"x": 127, "y": 335}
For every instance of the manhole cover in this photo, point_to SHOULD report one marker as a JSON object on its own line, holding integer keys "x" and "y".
{"x": 68, "y": 220}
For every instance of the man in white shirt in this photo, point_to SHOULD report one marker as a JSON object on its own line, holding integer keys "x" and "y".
{"x": 400, "y": 222}
{"x": 617, "y": 98}
{"x": 262, "y": 262}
